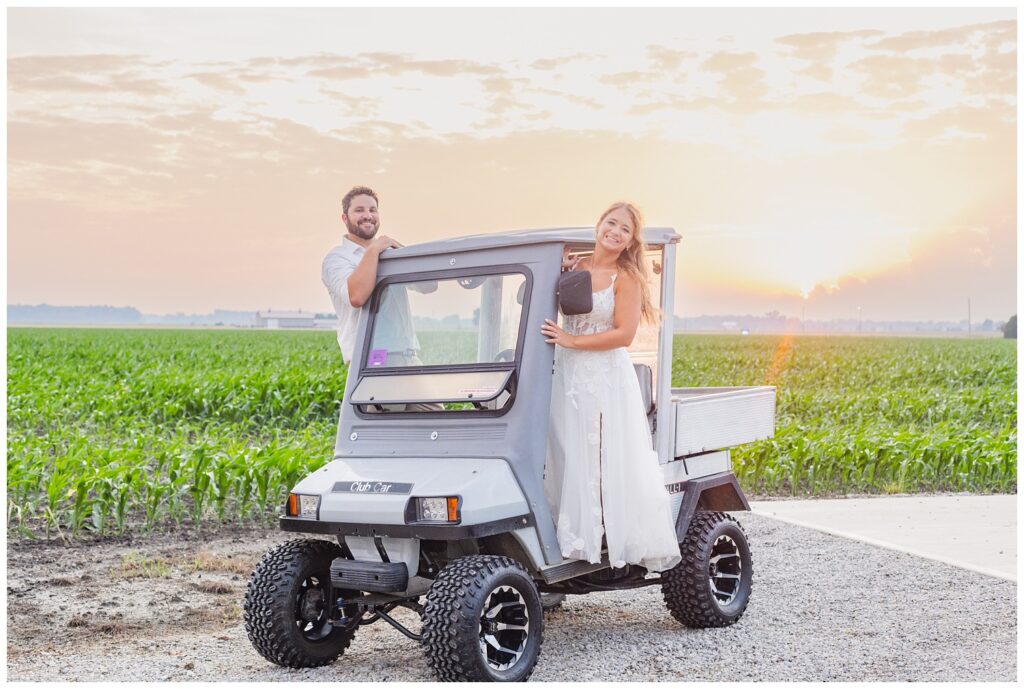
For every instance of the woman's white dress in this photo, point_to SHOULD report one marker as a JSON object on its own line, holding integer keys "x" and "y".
{"x": 602, "y": 477}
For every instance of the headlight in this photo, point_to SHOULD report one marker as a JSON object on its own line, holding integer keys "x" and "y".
{"x": 436, "y": 510}
{"x": 303, "y": 506}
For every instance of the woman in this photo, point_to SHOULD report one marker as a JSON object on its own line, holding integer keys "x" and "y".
{"x": 602, "y": 476}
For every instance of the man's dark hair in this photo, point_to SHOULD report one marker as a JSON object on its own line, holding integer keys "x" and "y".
{"x": 354, "y": 192}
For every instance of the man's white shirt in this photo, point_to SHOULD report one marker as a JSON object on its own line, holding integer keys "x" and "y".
{"x": 339, "y": 263}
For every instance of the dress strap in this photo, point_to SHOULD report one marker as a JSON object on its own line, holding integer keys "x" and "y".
{"x": 614, "y": 275}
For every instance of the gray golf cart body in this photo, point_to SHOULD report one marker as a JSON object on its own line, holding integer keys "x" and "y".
{"x": 488, "y": 446}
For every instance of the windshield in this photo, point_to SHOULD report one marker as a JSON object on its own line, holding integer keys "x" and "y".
{"x": 448, "y": 322}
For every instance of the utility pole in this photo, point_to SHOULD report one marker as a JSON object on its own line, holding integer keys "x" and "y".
{"x": 860, "y": 320}
{"x": 968, "y": 316}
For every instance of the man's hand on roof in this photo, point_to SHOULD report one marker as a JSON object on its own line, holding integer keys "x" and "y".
{"x": 381, "y": 243}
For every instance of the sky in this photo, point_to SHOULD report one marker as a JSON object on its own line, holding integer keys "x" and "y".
{"x": 839, "y": 163}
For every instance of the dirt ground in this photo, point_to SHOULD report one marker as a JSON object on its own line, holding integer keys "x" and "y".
{"x": 103, "y": 594}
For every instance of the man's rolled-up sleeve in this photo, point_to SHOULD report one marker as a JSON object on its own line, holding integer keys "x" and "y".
{"x": 335, "y": 273}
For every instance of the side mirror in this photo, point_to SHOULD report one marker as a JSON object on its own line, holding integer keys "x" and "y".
{"x": 575, "y": 295}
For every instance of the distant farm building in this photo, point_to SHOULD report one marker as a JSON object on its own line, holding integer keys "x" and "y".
{"x": 284, "y": 319}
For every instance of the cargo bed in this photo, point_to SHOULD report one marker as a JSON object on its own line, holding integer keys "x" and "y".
{"x": 709, "y": 419}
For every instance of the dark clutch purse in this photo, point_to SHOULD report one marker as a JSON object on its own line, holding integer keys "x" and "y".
{"x": 574, "y": 292}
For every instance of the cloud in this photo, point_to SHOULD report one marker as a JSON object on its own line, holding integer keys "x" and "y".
{"x": 56, "y": 140}
{"x": 628, "y": 79}
{"x": 504, "y": 85}
{"x": 552, "y": 63}
{"x": 367, "y": 65}
{"x": 923, "y": 40}
{"x": 998, "y": 75}
{"x": 358, "y": 107}
{"x": 373, "y": 132}
{"x": 168, "y": 160}
{"x": 314, "y": 60}
{"x": 507, "y": 100}
{"x": 667, "y": 59}
{"x": 96, "y": 73}
{"x": 538, "y": 115}
{"x": 672, "y": 102}
{"x": 820, "y": 49}
{"x": 742, "y": 83}
{"x": 570, "y": 97}
{"x": 220, "y": 82}
{"x": 892, "y": 77}
{"x": 665, "y": 63}
{"x": 902, "y": 76}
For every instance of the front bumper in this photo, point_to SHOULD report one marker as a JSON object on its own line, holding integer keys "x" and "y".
{"x": 427, "y": 532}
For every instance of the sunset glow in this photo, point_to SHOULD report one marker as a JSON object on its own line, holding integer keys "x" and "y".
{"x": 186, "y": 160}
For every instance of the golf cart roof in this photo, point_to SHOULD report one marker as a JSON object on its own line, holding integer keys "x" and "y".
{"x": 655, "y": 236}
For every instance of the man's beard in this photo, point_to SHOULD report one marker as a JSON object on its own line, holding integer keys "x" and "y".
{"x": 360, "y": 232}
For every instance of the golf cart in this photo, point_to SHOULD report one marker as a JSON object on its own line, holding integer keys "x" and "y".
{"x": 436, "y": 486}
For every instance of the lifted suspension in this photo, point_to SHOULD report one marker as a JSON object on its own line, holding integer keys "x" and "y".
{"x": 368, "y": 613}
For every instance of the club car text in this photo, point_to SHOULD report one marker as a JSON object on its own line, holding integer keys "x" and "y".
{"x": 372, "y": 487}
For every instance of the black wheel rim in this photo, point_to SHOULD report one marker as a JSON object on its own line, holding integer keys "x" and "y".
{"x": 312, "y": 616}
{"x": 504, "y": 628}
{"x": 725, "y": 570}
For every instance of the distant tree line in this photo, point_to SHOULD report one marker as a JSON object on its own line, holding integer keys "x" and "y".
{"x": 46, "y": 314}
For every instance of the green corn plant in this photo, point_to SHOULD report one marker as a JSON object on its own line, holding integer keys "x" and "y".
{"x": 82, "y": 505}
{"x": 56, "y": 492}
{"x": 153, "y": 500}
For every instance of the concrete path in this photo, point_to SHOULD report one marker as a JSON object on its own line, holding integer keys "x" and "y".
{"x": 975, "y": 532}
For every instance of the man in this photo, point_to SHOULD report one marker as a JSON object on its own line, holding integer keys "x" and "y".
{"x": 350, "y": 273}
{"x": 350, "y": 269}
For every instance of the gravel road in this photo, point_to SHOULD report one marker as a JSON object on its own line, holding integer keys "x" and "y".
{"x": 823, "y": 608}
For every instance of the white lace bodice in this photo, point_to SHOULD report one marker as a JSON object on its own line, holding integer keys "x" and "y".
{"x": 587, "y": 371}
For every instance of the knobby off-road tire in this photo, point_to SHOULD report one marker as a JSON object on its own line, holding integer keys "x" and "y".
{"x": 476, "y": 605}
{"x": 710, "y": 587}
{"x": 288, "y": 606}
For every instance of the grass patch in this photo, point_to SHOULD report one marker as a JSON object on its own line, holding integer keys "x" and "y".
{"x": 205, "y": 561}
{"x": 115, "y": 628}
{"x": 215, "y": 587}
{"x": 135, "y": 565}
{"x": 224, "y": 615}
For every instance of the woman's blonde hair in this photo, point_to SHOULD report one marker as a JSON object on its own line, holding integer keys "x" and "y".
{"x": 632, "y": 260}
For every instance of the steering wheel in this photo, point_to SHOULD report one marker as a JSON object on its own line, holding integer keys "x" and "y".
{"x": 505, "y": 355}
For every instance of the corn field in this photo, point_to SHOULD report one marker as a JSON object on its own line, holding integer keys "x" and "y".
{"x": 870, "y": 415}
{"x": 116, "y": 430}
